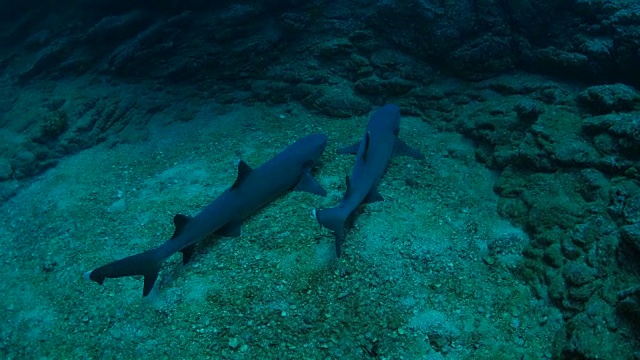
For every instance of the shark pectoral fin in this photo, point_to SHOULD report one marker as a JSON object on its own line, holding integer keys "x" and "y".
{"x": 180, "y": 221}
{"x": 402, "y": 149}
{"x": 373, "y": 196}
{"x": 231, "y": 229}
{"x": 243, "y": 172}
{"x": 309, "y": 184}
{"x": 187, "y": 253}
{"x": 352, "y": 149}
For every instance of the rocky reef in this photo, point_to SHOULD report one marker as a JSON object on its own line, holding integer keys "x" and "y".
{"x": 546, "y": 90}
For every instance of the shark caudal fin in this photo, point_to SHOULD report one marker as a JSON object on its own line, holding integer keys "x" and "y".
{"x": 333, "y": 219}
{"x": 146, "y": 264}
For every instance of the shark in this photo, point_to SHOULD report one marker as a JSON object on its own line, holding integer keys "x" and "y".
{"x": 373, "y": 153}
{"x": 252, "y": 190}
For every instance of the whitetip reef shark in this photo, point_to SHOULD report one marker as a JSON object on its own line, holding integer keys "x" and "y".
{"x": 253, "y": 189}
{"x": 373, "y": 153}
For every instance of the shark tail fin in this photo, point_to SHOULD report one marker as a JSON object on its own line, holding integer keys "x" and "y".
{"x": 146, "y": 264}
{"x": 333, "y": 219}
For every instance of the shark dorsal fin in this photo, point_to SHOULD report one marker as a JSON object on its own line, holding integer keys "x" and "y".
{"x": 180, "y": 221}
{"x": 243, "y": 171}
{"x": 367, "y": 141}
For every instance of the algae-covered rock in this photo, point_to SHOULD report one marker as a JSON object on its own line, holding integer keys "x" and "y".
{"x": 5, "y": 169}
{"x": 373, "y": 85}
{"x": 604, "y": 99}
{"x": 54, "y": 124}
{"x": 335, "y": 101}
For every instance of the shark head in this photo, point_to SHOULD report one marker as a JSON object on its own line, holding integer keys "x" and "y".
{"x": 313, "y": 146}
{"x": 387, "y": 118}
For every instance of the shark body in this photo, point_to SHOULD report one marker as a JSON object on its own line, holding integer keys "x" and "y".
{"x": 253, "y": 189}
{"x": 379, "y": 144}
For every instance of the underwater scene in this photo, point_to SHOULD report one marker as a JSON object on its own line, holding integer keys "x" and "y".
{"x": 320, "y": 179}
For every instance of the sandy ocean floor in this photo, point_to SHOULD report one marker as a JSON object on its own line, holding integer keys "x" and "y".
{"x": 430, "y": 273}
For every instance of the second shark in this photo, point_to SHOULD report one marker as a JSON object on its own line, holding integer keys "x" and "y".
{"x": 373, "y": 153}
